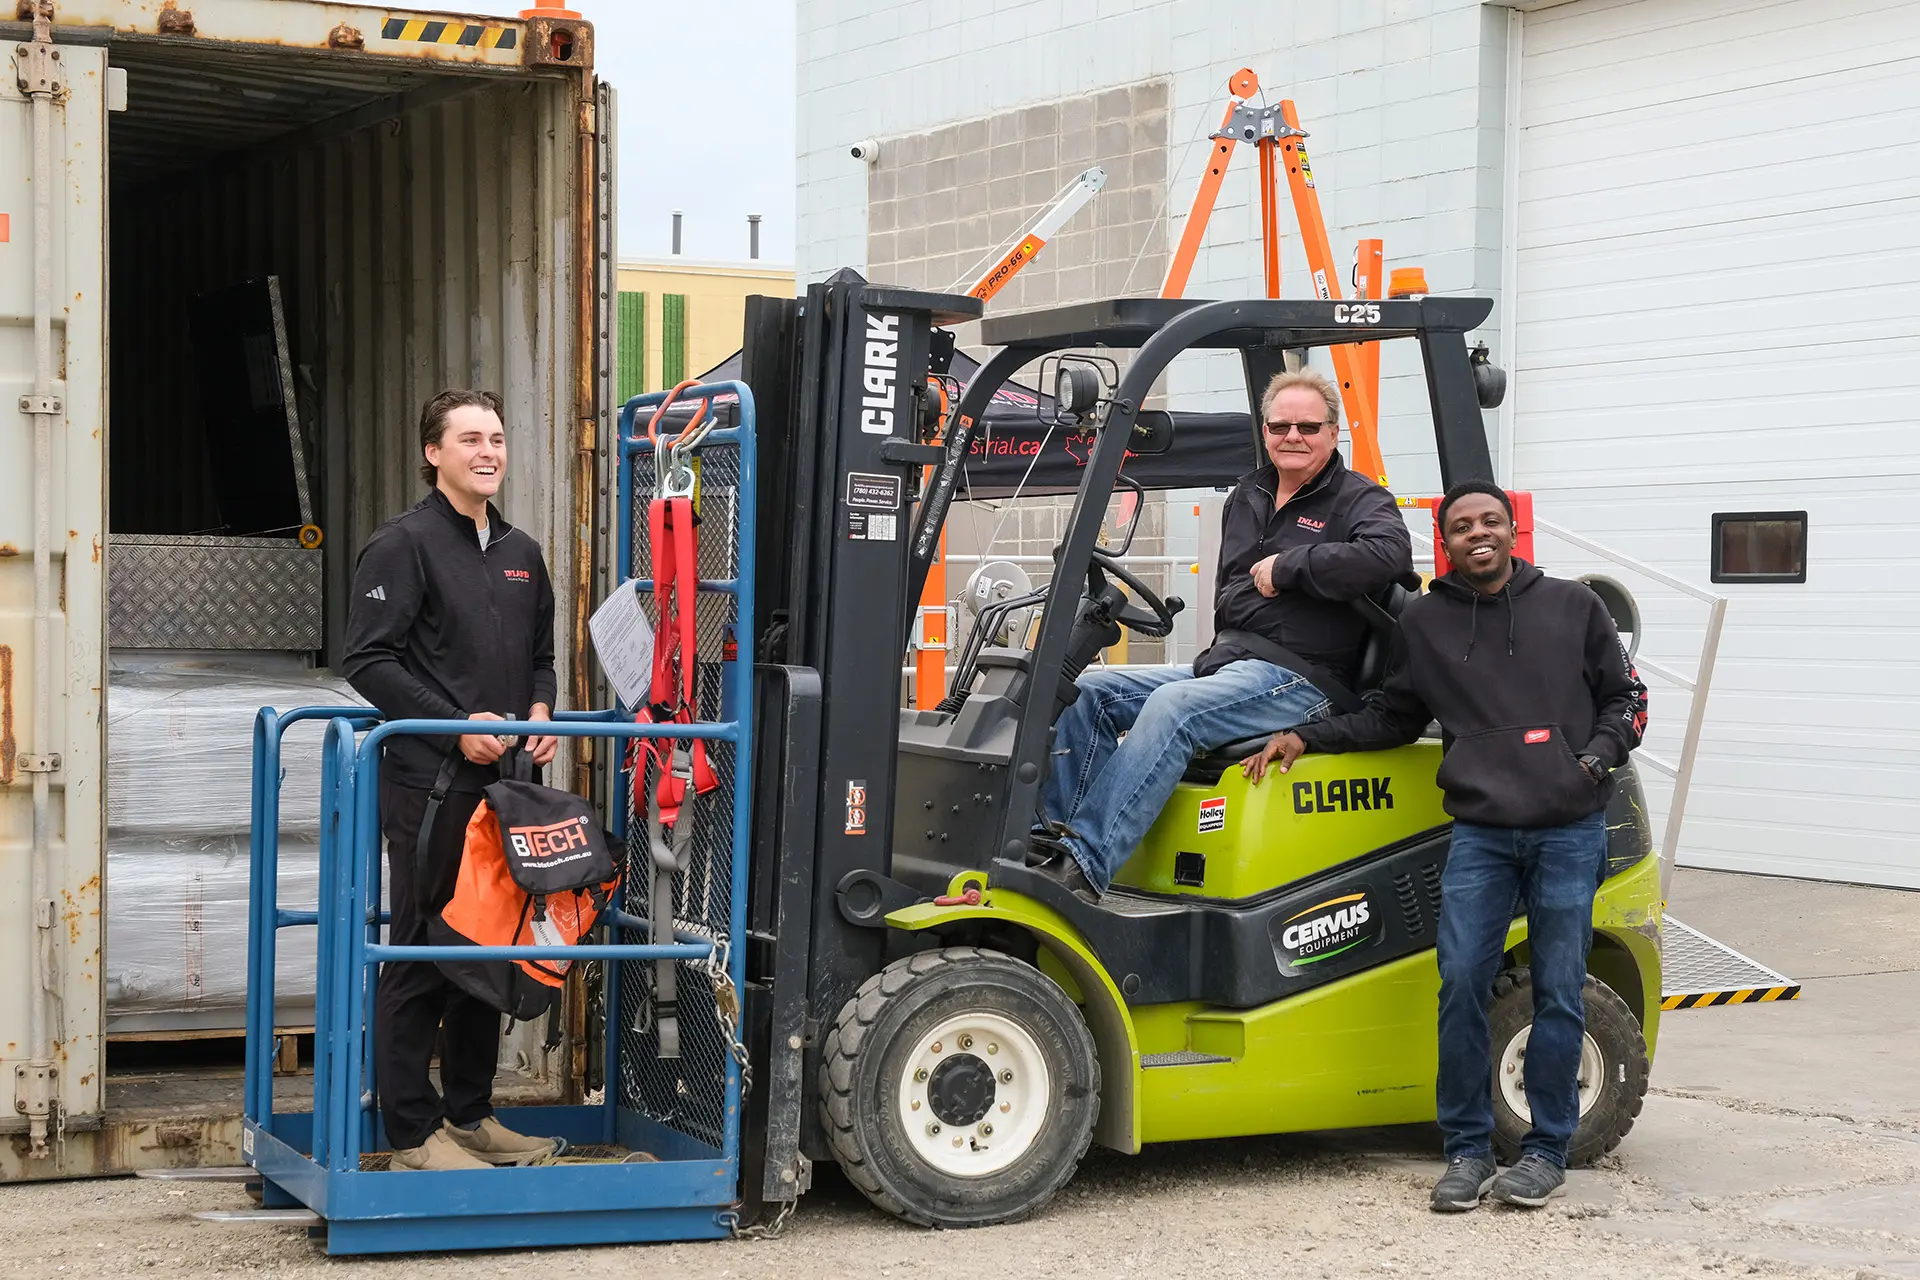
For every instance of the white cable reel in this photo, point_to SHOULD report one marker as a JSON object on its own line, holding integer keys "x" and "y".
{"x": 991, "y": 583}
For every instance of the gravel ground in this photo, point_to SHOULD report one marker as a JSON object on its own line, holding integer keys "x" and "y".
{"x": 1334, "y": 1207}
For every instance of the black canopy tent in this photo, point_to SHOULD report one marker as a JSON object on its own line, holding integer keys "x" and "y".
{"x": 1019, "y": 453}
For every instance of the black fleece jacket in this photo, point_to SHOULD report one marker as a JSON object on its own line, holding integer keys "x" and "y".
{"x": 1522, "y": 682}
{"x": 440, "y": 629}
{"x": 1339, "y": 538}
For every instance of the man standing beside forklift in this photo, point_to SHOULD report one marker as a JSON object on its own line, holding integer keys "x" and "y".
{"x": 452, "y": 619}
{"x": 1302, "y": 539}
{"x": 1538, "y": 703}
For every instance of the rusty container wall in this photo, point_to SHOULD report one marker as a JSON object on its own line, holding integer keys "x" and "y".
{"x": 425, "y": 238}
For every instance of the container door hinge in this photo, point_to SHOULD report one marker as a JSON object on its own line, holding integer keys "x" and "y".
{"x": 37, "y": 69}
{"x": 32, "y": 763}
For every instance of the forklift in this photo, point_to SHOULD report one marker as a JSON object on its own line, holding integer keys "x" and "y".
{"x": 954, "y": 1029}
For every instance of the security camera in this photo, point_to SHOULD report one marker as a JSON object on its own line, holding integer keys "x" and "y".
{"x": 867, "y": 149}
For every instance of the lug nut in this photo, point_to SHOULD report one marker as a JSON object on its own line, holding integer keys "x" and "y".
{"x": 1006, "y": 1077}
{"x": 916, "y": 1104}
{"x": 933, "y": 1130}
{"x": 993, "y": 1048}
{"x": 986, "y": 1130}
{"x": 920, "y": 1075}
{"x": 966, "y": 1042}
{"x": 1006, "y": 1106}
{"x": 936, "y": 1046}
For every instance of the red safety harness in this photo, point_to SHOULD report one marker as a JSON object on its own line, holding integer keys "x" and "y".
{"x": 682, "y": 771}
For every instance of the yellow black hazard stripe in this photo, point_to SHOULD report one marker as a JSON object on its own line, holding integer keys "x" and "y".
{"x": 1739, "y": 995}
{"x": 472, "y": 35}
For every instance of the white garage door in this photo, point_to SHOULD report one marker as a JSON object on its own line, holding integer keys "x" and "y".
{"x": 1718, "y": 293}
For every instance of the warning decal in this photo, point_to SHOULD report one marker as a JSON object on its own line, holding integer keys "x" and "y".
{"x": 1213, "y": 814}
{"x": 857, "y": 806}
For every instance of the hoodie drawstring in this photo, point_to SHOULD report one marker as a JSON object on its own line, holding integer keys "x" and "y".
{"x": 1473, "y": 626}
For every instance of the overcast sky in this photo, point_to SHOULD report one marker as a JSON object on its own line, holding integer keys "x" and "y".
{"x": 705, "y": 127}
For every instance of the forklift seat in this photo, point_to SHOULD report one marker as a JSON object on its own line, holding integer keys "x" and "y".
{"x": 1375, "y": 656}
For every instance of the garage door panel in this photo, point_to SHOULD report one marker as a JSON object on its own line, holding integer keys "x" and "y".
{"x": 1579, "y": 65}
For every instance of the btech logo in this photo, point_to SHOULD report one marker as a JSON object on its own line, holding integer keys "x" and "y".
{"x": 518, "y": 575}
{"x": 1343, "y": 795}
{"x": 549, "y": 841}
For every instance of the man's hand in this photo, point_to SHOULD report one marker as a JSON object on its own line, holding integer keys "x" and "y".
{"x": 1262, "y": 575}
{"x": 540, "y": 750}
{"x": 1283, "y": 747}
{"x": 482, "y": 748}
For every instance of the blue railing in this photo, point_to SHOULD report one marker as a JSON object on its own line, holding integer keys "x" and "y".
{"x": 314, "y": 1157}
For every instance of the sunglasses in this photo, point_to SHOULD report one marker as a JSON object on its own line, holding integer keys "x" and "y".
{"x": 1304, "y": 428}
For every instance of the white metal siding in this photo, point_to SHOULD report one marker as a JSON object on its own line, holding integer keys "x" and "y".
{"x": 1719, "y": 310}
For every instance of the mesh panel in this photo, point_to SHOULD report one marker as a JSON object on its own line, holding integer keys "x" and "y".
{"x": 688, "y": 1094}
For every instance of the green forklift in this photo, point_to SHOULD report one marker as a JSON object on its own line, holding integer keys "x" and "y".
{"x": 953, "y": 1028}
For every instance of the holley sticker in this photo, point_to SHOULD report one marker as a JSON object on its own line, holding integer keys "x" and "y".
{"x": 1213, "y": 814}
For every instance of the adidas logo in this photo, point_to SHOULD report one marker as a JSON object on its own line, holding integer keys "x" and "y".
{"x": 378, "y": 593}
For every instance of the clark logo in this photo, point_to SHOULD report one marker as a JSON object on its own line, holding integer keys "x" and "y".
{"x": 1343, "y": 795}
{"x": 879, "y": 373}
{"x": 1328, "y": 929}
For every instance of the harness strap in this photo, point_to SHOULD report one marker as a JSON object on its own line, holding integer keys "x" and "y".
{"x": 442, "y": 783}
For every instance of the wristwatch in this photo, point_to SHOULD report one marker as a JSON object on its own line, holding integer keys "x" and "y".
{"x": 1595, "y": 767}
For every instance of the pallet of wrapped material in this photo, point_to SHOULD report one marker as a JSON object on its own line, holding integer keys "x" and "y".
{"x": 176, "y": 952}
{"x": 180, "y": 741}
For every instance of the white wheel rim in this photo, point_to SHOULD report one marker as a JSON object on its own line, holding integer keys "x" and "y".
{"x": 949, "y": 1063}
{"x": 1511, "y": 1072}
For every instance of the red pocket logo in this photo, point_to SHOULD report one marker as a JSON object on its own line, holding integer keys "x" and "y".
{"x": 1308, "y": 522}
{"x": 1539, "y": 735}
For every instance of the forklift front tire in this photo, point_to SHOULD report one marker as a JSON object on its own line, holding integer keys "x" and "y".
{"x": 1613, "y": 1069}
{"x": 959, "y": 1088}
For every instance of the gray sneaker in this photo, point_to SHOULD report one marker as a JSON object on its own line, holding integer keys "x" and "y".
{"x": 1530, "y": 1183}
{"x": 1465, "y": 1181}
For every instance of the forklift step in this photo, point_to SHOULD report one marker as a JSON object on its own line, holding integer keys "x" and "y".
{"x": 1700, "y": 973}
{"x": 1181, "y": 1058}
{"x": 261, "y": 1217}
{"x": 239, "y": 1173}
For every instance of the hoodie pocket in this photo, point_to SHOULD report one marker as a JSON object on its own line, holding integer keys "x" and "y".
{"x": 1517, "y": 776}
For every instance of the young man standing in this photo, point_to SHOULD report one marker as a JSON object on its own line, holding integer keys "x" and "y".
{"x": 452, "y": 619}
{"x": 1537, "y": 703}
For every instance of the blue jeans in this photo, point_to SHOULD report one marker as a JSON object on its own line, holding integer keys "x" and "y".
{"x": 1110, "y": 791}
{"x": 1489, "y": 870}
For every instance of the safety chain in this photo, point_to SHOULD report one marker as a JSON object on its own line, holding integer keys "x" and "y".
{"x": 726, "y": 1004}
{"x": 768, "y": 1231}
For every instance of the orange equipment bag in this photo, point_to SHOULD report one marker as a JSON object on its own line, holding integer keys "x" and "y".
{"x": 537, "y": 869}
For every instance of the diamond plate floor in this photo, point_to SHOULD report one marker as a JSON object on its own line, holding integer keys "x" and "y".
{"x": 1698, "y": 973}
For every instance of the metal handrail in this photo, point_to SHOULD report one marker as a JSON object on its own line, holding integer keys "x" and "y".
{"x": 1681, "y": 771}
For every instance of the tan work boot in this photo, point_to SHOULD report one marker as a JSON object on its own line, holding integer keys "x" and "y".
{"x": 438, "y": 1152}
{"x": 494, "y": 1143}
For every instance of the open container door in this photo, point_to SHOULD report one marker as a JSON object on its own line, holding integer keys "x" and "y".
{"x": 53, "y": 102}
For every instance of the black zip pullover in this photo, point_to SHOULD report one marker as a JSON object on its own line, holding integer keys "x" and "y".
{"x": 1339, "y": 538}
{"x": 440, "y": 629}
{"x": 1523, "y": 683}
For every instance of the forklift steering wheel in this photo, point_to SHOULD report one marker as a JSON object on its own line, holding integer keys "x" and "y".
{"x": 1155, "y": 620}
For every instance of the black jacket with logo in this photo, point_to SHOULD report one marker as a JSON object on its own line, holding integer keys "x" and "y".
{"x": 1522, "y": 682}
{"x": 440, "y": 629}
{"x": 1339, "y": 538}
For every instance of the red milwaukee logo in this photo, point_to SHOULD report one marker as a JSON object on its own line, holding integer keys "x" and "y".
{"x": 549, "y": 841}
{"x": 1308, "y": 522}
{"x": 1539, "y": 735}
{"x": 517, "y": 575}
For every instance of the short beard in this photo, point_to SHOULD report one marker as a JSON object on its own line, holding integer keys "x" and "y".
{"x": 1492, "y": 574}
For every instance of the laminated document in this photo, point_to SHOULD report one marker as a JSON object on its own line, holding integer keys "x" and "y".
{"x": 623, "y": 638}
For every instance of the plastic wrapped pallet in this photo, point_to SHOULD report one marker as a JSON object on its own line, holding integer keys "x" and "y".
{"x": 180, "y": 741}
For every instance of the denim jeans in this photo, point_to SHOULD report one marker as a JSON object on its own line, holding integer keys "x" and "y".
{"x": 1109, "y": 790}
{"x": 1489, "y": 870}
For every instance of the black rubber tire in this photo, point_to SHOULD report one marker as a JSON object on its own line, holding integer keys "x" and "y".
{"x": 1623, "y": 1058}
{"x": 862, "y": 1062}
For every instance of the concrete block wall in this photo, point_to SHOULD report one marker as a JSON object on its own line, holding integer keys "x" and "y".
{"x": 1403, "y": 101}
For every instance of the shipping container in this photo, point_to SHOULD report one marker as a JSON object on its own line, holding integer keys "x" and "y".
{"x": 241, "y": 242}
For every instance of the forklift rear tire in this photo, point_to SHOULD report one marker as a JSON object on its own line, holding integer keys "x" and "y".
{"x": 1613, "y": 1069}
{"x": 959, "y": 1088}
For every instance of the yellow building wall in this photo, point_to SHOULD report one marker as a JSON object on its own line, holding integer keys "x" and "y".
{"x": 716, "y": 295}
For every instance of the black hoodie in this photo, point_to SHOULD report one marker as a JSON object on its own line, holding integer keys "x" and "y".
{"x": 1523, "y": 682}
{"x": 439, "y": 629}
{"x": 1339, "y": 538}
